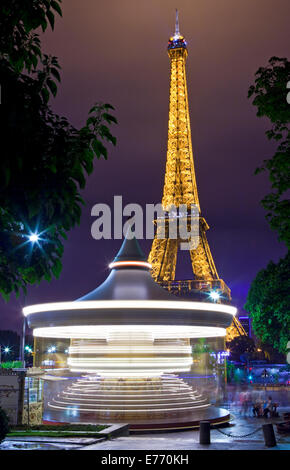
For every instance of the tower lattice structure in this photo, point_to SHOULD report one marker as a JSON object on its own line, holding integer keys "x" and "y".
{"x": 180, "y": 189}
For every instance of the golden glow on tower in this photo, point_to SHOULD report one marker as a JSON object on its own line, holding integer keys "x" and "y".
{"x": 180, "y": 188}
{"x": 180, "y": 184}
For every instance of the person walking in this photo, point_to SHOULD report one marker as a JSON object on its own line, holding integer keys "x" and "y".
{"x": 268, "y": 407}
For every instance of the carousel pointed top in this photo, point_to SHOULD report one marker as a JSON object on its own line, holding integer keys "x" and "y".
{"x": 130, "y": 254}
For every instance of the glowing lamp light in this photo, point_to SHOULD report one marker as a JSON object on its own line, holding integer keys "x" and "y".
{"x": 7, "y": 349}
{"x": 33, "y": 238}
{"x": 214, "y": 295}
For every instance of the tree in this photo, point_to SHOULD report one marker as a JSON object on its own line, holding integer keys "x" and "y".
{"x": 241, "y": 345}
{"x": 4, "y": 424}
{"x": 201, "y": 346}
{"x": 268, "y": 299}
{"x": 270, "y": 98}
{"x": 44, "y": 159}
{"x": 268, "y": 304}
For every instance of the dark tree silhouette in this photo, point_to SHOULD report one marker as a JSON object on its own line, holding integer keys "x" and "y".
{"x": 268, "y": 301}
{"x": 270, "y": 97}
{"x": 44, "y": 159}
{"x": 268, "y": 304}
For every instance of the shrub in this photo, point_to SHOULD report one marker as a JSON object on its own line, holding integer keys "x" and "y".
{"x": 4, "y": 424}
{"x": 11, "y": 365}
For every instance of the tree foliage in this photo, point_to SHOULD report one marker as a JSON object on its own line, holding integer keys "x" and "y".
{"x": 4, "y": 424}
{"x": 201, "y": 346}
{"x": 270, "y": 92}
{"x": 241, "y": 345}
{"x": 44, "y": 159}
{"x": 268, "y": 304}
{"x": 268, "y": 299}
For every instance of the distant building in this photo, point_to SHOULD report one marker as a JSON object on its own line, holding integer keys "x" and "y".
{"x": 245, "y": 321}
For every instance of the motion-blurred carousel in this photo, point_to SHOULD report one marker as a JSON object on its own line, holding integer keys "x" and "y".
{"x": 129, "y": 340}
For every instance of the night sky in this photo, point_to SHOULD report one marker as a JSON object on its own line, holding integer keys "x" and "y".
{"x": 115, "y": 51}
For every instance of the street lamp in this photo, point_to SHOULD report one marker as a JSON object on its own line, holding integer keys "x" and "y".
{"x": 214, "y": 295}
{"x": 34, "y": 237}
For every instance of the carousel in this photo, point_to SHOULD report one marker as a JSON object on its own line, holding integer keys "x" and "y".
{"x": 126, "y": 345}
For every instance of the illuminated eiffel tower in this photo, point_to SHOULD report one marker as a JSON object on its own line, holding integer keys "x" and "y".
{"x": 180, "y": 188}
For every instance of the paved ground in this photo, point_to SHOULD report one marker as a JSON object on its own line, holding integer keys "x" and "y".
{"x": 239, "y": 428}
{"x": 189, "y": 440}
{"x": 181, "y": 443}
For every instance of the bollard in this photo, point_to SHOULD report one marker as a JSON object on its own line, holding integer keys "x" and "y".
{"x": 269, "y": 435}
{"x": 204, "y": 432}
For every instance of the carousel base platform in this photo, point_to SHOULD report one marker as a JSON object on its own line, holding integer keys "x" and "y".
{"x": 216, "y": 416}
{"x": 212, "y": 414}
{"x": 163, "y": 403}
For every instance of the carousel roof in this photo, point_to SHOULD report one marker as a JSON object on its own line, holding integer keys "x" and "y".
{"x": 130, "y": 278}
{"x": 129, "y": 296}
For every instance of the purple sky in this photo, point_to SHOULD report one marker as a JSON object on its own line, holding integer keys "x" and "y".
{"x": 115, "y": 51}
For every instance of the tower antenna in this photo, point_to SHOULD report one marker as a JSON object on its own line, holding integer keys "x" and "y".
{"x": 180, "y": 189}
{"x": 177, "y": 32}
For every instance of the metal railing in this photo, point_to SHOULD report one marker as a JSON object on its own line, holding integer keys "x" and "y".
{"x": 198, "y": 288}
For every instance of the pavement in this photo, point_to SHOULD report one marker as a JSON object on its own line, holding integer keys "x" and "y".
{"x": 189, "y": 440}
{"x": 183, "y": 443}
{"x": 239, "y": 428}
{"x": 243, "y": 433}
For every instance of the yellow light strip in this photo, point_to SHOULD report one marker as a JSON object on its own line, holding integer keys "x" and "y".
{"x": 137, "y": 360}
{"x": 137, "y": 401}
{"x": 170, "y": 388}
{"x": 129, "y": 304}
{"x": 167, "y": 382}
{"x": 127, "y": 411}
{"x": 104, "y": 349}
{"x": 136, "y": 373}
{"x": 145, "y": 405}
{"x": 142, "y": 396}
{"x": 103, "y": 331}
{"x": 172, "y": 391}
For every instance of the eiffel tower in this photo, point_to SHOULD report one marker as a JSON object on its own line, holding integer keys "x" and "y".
{"x": 180, "y": 188}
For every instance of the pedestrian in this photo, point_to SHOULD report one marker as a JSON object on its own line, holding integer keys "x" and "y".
{"x": 241, "y": 402}
{"x": 268, "y": 407}
{"x": 257, "y": 408}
